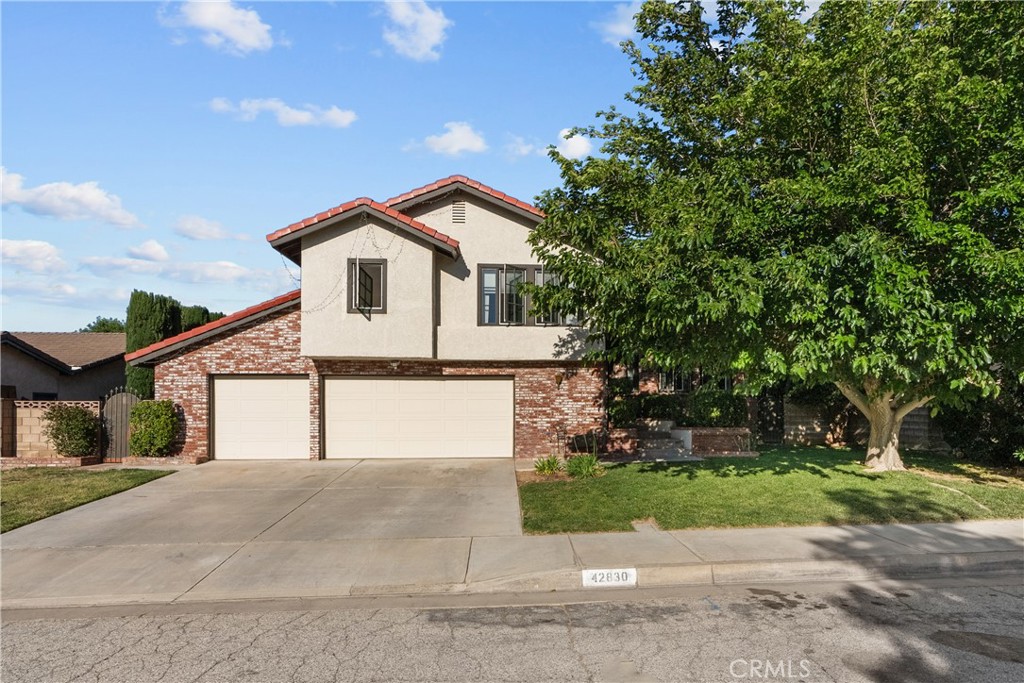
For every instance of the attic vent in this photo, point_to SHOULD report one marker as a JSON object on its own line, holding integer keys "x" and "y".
{"x": 459, "y": 211}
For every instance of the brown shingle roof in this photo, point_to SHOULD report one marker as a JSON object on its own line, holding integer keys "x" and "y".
{"x": 69, "y": 351}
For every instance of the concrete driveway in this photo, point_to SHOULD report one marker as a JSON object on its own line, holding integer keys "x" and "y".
{"x": 276, "y": 528}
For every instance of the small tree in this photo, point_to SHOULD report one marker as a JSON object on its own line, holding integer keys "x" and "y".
{"x": 73, "y": 430}
{"x": 153, "y": 426}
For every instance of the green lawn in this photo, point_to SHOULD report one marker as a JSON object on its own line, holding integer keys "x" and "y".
{"x": 783, "y": 487}
{"x": 32, "y": 494}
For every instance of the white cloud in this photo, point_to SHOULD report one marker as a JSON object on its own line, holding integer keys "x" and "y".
{"x": 63, "y": 294}
{"x": 619, "y": 25}
{"x": 308, "y": 115}
{"x": 65, "y": 201}
{"x": 202, "y": 229}
{"x": 204, "y": 272}
{"x": 416, "y": 31}
{"x": 224, "y": 26}
{"x": 32, "y": 255}
{"x": 150, "y": 250}
{"x": 574, "y": 146}
{"x": 520, "y": 147}
{"x": 460, "y": 138}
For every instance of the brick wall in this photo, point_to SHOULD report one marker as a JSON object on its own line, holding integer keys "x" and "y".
{"x": 22, "y": 425}
{"x": 549, "y": 397}
{"x": 815, "y": 426}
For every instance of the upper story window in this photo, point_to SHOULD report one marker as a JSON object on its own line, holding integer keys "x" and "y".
{"x": 502, "y": 302}
{"x": 368, "y": 291}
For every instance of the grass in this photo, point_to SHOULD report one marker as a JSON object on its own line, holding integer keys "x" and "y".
{"x": 783, "y": 487}
{"x": 28, "y": 495}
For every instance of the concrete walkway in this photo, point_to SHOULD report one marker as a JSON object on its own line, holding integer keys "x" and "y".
{"x": 314, "y": 533}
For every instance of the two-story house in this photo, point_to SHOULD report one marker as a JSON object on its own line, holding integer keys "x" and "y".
{"x": 409, "y": 338}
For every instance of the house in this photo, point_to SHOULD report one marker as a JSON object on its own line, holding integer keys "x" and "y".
{"x": 67, "y": 366}
{"x": 409, "y": 338}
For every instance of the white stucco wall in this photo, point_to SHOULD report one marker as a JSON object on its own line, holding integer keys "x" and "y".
{"x": 406, "y": 330}
{"x": 490, "y": 235}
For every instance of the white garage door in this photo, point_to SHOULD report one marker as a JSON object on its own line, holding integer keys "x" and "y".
{"x": 378, "y": 417}
{"x": 260, "y": 418}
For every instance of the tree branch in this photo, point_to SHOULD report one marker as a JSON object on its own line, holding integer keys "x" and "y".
{"x": 855, "y": 396}
{"x": 907, "y": 408}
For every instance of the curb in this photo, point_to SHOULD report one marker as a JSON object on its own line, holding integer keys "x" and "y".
{"x": 896, "y": 567}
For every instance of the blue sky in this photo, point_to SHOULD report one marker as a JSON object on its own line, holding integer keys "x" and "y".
{"x": 154, "y": 145}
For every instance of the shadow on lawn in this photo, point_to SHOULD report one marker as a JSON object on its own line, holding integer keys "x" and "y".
{"x": 821, "y": 463}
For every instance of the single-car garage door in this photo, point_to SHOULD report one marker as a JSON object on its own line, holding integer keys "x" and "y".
{"x": 449, "y": 417}
{"x": 260, "y": 418}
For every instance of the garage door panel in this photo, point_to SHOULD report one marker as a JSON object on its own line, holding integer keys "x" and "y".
{"x": 418, "y": 417}
{"x": 260, "y": 418}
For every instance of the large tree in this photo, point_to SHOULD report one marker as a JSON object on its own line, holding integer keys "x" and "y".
{"x": 827, "y": 200}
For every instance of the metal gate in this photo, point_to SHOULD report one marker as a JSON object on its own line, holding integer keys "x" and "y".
{"x": 117, "y": 408}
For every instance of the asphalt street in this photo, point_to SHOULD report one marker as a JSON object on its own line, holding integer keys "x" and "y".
{"x": 927, "y": 632}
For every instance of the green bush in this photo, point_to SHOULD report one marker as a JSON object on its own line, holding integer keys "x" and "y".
{"x": 988, "y": 430}
{"x": 624, "y": 411}
{"x": 548, "y": 465}
{"x": 716, "y": 408}
{"x": 153, "y": 427}
{"x": 620, "y": 386}
{"x": 663, "y": 406}
{"x": 583, "y": 466}
{"x": 73, "y": 430}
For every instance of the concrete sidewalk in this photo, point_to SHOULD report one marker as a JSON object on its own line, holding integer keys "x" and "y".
{"x": 277, "y": 567}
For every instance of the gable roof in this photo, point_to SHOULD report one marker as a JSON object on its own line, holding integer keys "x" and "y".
{"x": 149, "y": 354}
{"x": 288, "y": 241}
{"x": 68, "y": 352}
{"x": 473, "y": 187}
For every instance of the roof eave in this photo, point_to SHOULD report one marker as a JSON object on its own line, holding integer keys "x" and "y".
{"x": 290, "y": 244}
{"x": 187, "y": 339}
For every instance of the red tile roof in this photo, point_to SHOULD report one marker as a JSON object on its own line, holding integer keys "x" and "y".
{"x": 226, "y": 321}
{"x": 376, "y": 206}
{"x": 468, "y": 182}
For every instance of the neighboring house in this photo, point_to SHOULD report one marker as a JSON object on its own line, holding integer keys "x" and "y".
{"x": 66, "y": 366}
{"x": 409, "y": 338}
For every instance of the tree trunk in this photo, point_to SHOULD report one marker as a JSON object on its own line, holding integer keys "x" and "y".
{"x": 884, "y": 439}
{"x": 885, "y": 414}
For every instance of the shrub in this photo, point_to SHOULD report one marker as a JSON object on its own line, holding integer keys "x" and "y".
{"x": 624, "y": 411}
{"x": 715, "y": 408}
{"x": 989, "y": 430}
{"x": 663, "y": 406}
{"x": 620, "y": 386}
{"x": 548, "y": 465}
{"x": 583, "y": 466}
{"x": 73, "y": 430}
{"x": 153, "y": 426}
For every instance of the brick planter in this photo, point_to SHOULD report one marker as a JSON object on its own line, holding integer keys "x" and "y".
{"x": 16, "y": 463}
{"x": 722, "y": 441}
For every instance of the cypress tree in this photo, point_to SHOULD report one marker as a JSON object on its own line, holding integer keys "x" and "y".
{"x": 150, "y": 318}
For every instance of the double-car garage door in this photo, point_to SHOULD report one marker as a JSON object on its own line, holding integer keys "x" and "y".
{"x": 364, "y": 417}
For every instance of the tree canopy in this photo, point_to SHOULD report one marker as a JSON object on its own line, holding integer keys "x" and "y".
{"x": 101, "y": 324}
{"x": 831, "y": 200}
